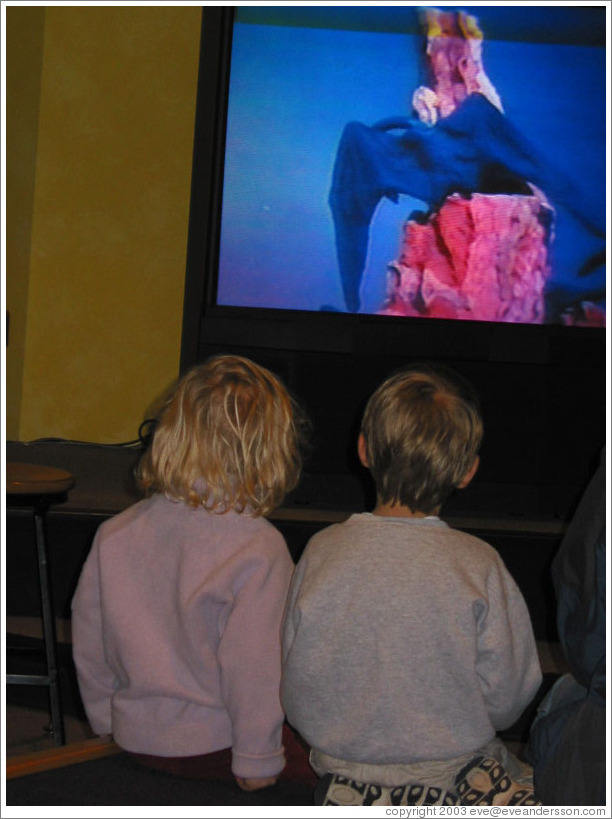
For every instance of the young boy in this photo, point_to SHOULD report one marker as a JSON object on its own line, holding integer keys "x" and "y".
{"x": 407, "y": 645}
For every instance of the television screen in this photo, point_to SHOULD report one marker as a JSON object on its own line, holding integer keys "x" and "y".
{"x": 442, "y": 163}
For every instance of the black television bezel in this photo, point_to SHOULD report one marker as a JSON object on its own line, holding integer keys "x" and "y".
{"x": 205, "y": 323}
{"x": 297, "y": 343}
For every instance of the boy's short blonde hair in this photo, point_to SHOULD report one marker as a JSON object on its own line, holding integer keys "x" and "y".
{"x": 422, "y": 431}
{"x": 228, "y": 437}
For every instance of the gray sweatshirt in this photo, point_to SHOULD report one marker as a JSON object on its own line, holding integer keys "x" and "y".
{"x": 404, "y": 641}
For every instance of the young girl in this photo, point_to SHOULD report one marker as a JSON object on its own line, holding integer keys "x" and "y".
{"x": 177, "y": 613}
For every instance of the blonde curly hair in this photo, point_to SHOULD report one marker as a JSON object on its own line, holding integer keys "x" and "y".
{"x": 228, "y": 437}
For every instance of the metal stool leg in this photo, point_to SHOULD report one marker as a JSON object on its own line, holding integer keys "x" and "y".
{"x": 39, "y": 487}
{"x": 48, "y": 623}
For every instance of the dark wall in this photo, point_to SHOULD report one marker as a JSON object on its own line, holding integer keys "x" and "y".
{"x": 545, "y": 419}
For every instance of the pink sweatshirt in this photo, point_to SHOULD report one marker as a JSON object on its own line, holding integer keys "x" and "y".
{"x": 176, "y": 633}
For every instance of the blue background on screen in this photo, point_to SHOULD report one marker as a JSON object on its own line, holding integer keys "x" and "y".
{"x": 293, "y": 89}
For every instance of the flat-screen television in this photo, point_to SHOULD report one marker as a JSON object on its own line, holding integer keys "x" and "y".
{"x": 374, "y": 185}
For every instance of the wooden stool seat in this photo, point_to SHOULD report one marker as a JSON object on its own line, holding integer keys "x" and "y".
{"x": 39, "y": 487}
{"x": 33, "y": 479}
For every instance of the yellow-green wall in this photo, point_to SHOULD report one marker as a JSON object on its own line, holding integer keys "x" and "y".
{"x": 100, "y": 121}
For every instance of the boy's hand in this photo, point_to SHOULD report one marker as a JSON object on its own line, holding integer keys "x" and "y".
{"x": 255, "y": 784}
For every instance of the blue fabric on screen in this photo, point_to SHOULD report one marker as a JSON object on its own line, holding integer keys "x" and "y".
{"x": 474, "y": 149}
